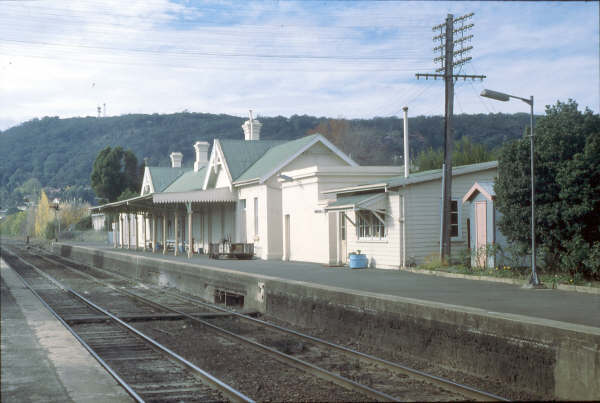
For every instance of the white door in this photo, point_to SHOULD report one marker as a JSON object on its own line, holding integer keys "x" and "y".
{"x": 481, "y": 232}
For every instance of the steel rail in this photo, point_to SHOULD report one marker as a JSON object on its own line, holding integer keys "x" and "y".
{"x": 447, "y": 384}
{"x": 444, "y": 383}
{"x": 285, "y": 358}
{"x": 231, "y": 393}
{"x": 107, "y": 367}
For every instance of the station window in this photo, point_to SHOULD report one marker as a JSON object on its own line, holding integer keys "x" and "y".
{"x": 454, "y": 219}
{"x": 369, "y": 226}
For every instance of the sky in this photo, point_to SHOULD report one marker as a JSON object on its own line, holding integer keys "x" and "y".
{"x": 339, "y": 59}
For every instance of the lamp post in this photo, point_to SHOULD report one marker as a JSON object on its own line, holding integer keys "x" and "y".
{"x": 499, "y": 96}
{"x": 56, "y": 207}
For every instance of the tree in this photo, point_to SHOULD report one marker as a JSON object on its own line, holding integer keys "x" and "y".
{"x": 42, "y": 216}
{"x": 335, "y": 130}
{"x": 567, "y": 175}
{"x": 465, "y": 152}
{"x": 114, "y": 172}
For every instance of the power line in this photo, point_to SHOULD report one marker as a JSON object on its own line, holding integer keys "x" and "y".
{"x": 203, "y": 53}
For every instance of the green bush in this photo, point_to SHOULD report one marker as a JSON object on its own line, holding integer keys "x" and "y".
{"x": 84, "y": 224}
{"x": 50, "y": 230}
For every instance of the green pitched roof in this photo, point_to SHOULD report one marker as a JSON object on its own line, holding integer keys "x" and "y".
{"x": 241, "y": 154}
{"x": 273, "y": 157}
{"x": 190, "y": 180}
{"x": 437, "y": 173}
{"x": 162, "y": 177}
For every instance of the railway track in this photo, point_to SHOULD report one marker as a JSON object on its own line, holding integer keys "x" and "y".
{"x": 369, "y": 376}
{"x": 148, "y": 371}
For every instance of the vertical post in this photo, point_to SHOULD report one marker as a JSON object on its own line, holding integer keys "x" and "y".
{"x": 164, "y": 233}
{"x": 128, "y": 231}
{"x": 121, "y": 227}
{"x": 137, "y": 232}
{"x": 189, "y": 234}
{"x": 154, "y": 222}
{"x": 176, "y": 234}
{"x": 534, "y": 278}
{"x": 144, "y": 231}
{"x": 115, "y": 228}
{"x": 447, "y": 191}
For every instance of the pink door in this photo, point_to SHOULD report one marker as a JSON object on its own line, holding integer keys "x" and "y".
{"x": 481, "y": 232}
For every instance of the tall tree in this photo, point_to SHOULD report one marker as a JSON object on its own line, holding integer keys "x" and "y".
{"x": 42, "y": 216}
{"x": 567, "y": 176}
{"x": 114, "y": 172}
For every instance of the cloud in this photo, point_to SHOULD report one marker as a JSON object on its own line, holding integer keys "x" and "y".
{"x": 283, "y": 58}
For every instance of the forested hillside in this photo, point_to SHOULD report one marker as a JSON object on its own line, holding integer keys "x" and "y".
{"x": 59, "y": 153}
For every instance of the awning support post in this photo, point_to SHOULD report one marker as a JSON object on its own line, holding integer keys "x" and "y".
{"x": 164, "y": 233}
{"x": 189, "y": 216}
{"x": 144, "y": 231}
{"x": 176, "y": 234}
{"x": 154, "y": 222}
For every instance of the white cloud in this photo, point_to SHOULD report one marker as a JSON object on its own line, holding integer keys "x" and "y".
{"x": 65, "y": 58}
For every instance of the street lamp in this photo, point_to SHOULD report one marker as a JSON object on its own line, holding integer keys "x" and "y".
{"x": 499, "y": 96}
{"x": 55, "y": 207}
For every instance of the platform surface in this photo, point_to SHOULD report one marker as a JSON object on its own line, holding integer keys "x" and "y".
{"x": 563, "y": 306}
{"x": 41, "y": 360}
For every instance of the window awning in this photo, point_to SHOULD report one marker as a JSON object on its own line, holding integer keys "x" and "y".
{"x": 368, "y": 201}
{"x": 197, "y": 196}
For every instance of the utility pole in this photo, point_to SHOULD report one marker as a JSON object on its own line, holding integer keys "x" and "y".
{"x": 448, "y": 63}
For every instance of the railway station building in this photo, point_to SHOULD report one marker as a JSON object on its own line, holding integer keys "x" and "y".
{"x": 266, "y": 192}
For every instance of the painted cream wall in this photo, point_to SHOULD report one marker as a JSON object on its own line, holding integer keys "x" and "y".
{"x": 260, "y": 239}
{"x": 313, "y": 232}
{"x": 275, "y": 219}
{"x": 309, "y": 230}
{"x": 222, "y": 179}
{"x": 317, "y": 155}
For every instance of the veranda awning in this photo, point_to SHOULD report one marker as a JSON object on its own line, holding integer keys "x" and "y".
{"x": 197, "y": 196}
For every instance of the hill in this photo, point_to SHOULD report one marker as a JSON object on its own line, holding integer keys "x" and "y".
{"x": 60, "y": 152}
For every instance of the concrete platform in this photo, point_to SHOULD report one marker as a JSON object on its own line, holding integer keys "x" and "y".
{"x": 546, "y": 342}
{"x": 556, "y": 305}
{"x": 41, "y": 360}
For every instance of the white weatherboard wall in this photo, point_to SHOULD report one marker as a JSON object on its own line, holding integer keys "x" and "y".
{"x": 423, "y": 201}
{"x": 423, "y": 215}
{"x": 382, "y": 253}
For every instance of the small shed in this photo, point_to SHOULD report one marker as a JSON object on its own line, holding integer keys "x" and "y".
{"x": 485, "y": 240}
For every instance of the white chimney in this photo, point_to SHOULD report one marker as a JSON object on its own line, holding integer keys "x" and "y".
{"x": 176, "y": 159}
{"x": 406, "y": 154}
{"x": 201, "y": 148}
{"x": 251, "y": 128}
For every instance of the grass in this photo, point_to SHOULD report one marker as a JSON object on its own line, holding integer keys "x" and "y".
{"x": 551, "y": 280}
